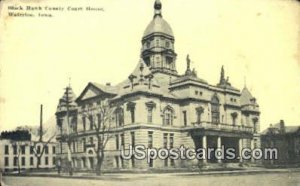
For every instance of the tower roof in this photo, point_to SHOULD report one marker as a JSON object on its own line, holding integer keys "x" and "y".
{"x": 246, "y": 97}
{"x": 158, "y": 24}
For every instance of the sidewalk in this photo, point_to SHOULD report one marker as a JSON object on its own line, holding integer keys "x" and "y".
{"x": 126, "y": 176}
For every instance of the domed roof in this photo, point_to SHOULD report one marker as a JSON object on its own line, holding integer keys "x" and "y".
{"x": 158, "y": 24}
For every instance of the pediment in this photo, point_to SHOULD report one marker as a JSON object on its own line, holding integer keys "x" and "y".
{"x": 92, "y": 91}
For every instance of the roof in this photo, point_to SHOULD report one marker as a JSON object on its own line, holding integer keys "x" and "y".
{"x": 246, "y": 97}
{"x": 158, "y": 25}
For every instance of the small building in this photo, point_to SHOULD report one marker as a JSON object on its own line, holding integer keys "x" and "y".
{"x": 23, "y": 154}
{"x": 286, "y": 139}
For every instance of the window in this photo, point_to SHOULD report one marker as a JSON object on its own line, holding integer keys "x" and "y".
{"x": 23, "y": 149}
{"x": 171, "y": 140}
{"x": 132, "y": 139}
{"x": 91, "y": 140}
{"x": 84, "y": 144}
{"x": 199, "y": 111}
{"x": 215, "y": 110}
{"x": 234, "y": 116}
{"x": 119, "y": 116}
{"x": 23, "y": 161}
{"x": 99, "y": 120}
{"x": 46, "y": 161}
{"x": 117, "y": 142}
{"x": 131, "y": 109}
{"x": 167, "y": 44}
{"x": 38, "y": 149}
{"x": 122, "y": 141}
{"x": 84, "y": 123}
{"x": 168, "y": 116}
{"x": 15, "y": 161}
{"x": 91, "y": 120}
{"x": 6, "y": 149}
{"x": 53, "y": 161}
{"x": 31, "y": 160}
{"x": 53, "y": 150}
{"x": 150, "y": 139}
{"x": 132, "y": 113}
{"x": 165, "y": 140}
{"x": 6, "y": 161}
{"x": 184, "y": 118}
{"x": 157, "y": 42}
{"x": 31, "y": 149}
{"x": 83, "y": 163}
{"x": 149, "y": 116}
{"x": 117, "y": 161}
{"x": 39, "y": 160}
{"x": 46, "y": 149}
{"x": 15, "y": 149}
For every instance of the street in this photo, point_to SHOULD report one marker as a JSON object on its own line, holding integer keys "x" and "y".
{"x": 269, "y": 179}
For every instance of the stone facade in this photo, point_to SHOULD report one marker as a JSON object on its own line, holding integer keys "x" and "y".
{"x": 158, "y": 107}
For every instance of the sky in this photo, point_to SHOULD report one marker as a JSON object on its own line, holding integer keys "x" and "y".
{"x": 257, "y": 41}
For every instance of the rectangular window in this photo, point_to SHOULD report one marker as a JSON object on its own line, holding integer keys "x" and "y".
{"x": 122, "y": 141}
{"x": 84, "y": 123}
{"x": 149, "y": 118}
{"x": 91, "y": 140}
{"x": 184, "y": 118}
{"x": 84, "y": 144}
{"x": 99, "y": 120}
{"x": 91, "y": 122}
{"x": 117, "y": 142}
{"x": 38, "y": 149}
{"x": 165, "y": 140}
{"x": 23, "y": 161}
{"x": 171, "y": 140}
{"x": 150, "y": 139}
{"x": 23, "y": 149}
{"x": 31, "y": 160}
{"x": 6, "y": 161}
{"x": 53, "y": 161}
{"x": 46, "y": 149}
{"x": 132, "y": 112}
{"x": 6, "y": 149}
{"x": 117, "y": 161}
{"x": 15, "y": 161}
{"x": 166, "y": 162}
{"x": 15, "y": 149}
{"x": 46, "y": 161}
{"x": 53, "y": 150}
{"x": 132, "y": 161}
{"x": 31, "y": 149}
{"x": 132, "y": 139}
{"x": 39, "y": 160}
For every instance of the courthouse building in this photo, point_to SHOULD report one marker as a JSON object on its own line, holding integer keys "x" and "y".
{"x": 158, "y": 107}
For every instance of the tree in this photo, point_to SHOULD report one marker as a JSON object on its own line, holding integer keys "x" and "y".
{"x": 102, "y": 127}
{"x": 39, "y": 147}
{"x": 18, "y": 145}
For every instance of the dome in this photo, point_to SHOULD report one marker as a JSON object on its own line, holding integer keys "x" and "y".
{"x": 158, "y": 25}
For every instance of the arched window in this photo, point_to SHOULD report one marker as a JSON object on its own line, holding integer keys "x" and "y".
{"x": 215, "y": 110}
{"x": 168, "y": 116}
{"x": 119, "y": 114}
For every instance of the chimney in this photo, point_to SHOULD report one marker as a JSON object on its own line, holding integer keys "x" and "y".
{"x": 41, "y": 123}
{"x": 282, "y": 127}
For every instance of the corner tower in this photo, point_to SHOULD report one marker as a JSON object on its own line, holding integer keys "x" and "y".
{"x": 158, "y": 44}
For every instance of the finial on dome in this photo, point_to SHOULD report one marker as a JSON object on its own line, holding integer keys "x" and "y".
{"x": 157, "y": 8}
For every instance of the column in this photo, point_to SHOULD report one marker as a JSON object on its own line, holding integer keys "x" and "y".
{"x": 219, "y": 147}
{"x": 204, "y": 146}
{"x": 240, "y": 149}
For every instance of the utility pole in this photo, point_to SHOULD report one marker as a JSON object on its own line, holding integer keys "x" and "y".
{"x": 41, "y": 123}
{"x": 68, "y": 133}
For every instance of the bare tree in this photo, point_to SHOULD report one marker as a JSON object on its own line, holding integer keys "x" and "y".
{"x": 102, "y": 127}
{"x": 39, "y": 147}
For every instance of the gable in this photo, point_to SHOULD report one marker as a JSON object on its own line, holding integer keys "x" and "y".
{"x": 90, "y": 93}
